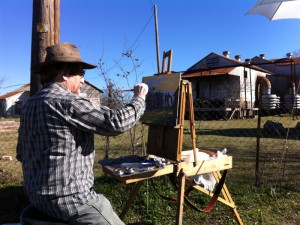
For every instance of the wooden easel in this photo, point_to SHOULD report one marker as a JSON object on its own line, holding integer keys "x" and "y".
{"x": 159, "y": 144}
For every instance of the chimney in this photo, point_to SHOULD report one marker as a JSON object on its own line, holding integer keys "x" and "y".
{"x": 247, "y": 61}
{"x": 289, "y": 55}
{"x": 262, "y": 56}
{"x": 238, "y": 57}
{"x": 226, "y": 53}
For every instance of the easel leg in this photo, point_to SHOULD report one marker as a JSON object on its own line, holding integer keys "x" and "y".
{"x": 131, "y": 198}
{"x": 180, "y": 199}
{"x": 228, "y": 198}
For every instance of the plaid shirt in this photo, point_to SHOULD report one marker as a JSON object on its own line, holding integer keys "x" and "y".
{"x": 56, "y": 146}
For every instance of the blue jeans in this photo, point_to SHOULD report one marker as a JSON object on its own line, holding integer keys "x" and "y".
{"x": 96, "y": 212}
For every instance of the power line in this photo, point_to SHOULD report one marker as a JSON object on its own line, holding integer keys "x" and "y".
{"x": 141, "y": 32}
{"x": 129, "y": 50}
{"x": 14, "y": 85}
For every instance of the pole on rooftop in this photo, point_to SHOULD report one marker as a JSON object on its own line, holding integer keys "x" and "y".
{"x": 45, "y": 32}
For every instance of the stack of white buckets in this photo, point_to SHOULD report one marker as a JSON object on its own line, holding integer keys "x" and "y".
{"x": 292, "y": 100}
{"x": 269, "y": 101}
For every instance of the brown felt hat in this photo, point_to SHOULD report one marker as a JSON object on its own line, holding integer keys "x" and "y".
{"x": 61, "y": 53}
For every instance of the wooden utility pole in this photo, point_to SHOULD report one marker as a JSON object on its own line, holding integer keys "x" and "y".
{"x": 157, "y": 40}
{"x": 45, "y": 32}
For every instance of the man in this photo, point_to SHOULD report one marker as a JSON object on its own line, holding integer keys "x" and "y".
{"x": 56, "y": 140}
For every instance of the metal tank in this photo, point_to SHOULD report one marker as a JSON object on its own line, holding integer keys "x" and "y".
{"x": 268, "y": 101}
{"x": 291, "y": 100}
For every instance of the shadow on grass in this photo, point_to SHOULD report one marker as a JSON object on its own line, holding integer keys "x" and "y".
{"x": 12, "y": 201}
{"x": 141, "y": 223}
{"x": 138, "y": 214}
{"x": 252, "y": 133}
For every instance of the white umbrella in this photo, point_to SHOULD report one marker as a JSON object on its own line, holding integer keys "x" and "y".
{"x": 276, "y": 10}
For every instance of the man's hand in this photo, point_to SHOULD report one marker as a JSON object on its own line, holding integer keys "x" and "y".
{"x": 141, "y": 90}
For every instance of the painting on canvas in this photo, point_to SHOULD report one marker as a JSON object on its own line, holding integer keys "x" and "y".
{"x": 162, "y": 100}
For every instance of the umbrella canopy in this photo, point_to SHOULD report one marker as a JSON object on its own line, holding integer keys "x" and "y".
{"x": 276, "y": 10}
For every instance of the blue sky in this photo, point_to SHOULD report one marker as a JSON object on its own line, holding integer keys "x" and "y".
{"x": 104, "y": 29}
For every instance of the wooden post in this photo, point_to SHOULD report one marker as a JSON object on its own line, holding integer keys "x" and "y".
{"x": 157, "y": 40}
{"x": 180, "y": 199}
{"x": 257, "y": 153}
{"x": 167, "y": 54}
{"x": 45, "y": 32}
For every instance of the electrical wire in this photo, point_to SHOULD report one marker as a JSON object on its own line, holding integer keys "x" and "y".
{"x": 14, "y": 85}
{"x": 129, "y": 50}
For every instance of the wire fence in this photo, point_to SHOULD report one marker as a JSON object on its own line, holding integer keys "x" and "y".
{"x": 267, "y": 140}
{"x": 263, "y": 143}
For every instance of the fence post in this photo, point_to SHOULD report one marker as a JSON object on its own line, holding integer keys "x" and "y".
{"x": 257, "y": 175}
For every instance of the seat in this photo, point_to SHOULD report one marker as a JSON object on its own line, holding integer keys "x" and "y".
{"x": 31, "y": 216}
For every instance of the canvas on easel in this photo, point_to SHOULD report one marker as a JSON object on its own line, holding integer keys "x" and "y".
{"x": 162, "y": 99}
{"x": 164, "y": 107}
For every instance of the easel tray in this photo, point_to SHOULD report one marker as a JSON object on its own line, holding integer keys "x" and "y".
{"x": 141, "y": 168}
{"x": 131, "y": 169}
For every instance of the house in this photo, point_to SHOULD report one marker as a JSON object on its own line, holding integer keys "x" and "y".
{"x": 11, "y": 103}
{"x": 285, "y": 78}
{"x": 221, "y": 83}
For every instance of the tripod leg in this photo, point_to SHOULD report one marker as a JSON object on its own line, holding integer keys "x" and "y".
{"x": 131, "y": 198}
{"x": 228, "y": 198}
{"x": 180, "y": 199}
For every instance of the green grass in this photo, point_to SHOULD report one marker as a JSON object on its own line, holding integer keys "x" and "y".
{"x": 274, "y": 202}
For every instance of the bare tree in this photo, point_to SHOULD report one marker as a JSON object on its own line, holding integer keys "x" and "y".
{"x": 119, "y": 87}
{"x": 119, "y": 84}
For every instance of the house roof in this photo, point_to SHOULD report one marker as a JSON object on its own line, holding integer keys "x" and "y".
{"x": 85, "y": 81}
{"x": 287, "y": 61}
{"x": 217, "y": 67}
{"x": 209, "y": 72}
{"x": 280, "y": 62}
{"x": 24, "y": 88}
{"x": 232, "y": 63}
